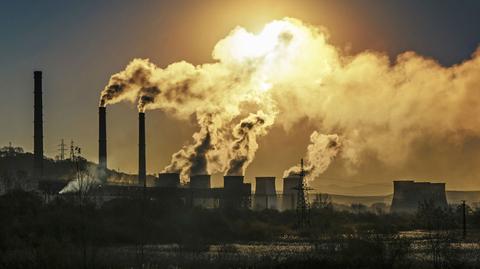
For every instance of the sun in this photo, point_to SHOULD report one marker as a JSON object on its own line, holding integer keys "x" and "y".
{"x": 276, "y": 38}
{"x": 269, "y": 56}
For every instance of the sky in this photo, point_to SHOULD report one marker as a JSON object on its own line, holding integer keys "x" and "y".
{"x": 79, "y": 44}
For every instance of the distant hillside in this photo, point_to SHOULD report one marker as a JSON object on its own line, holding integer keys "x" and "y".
{"x": 366, "y": 200}
{"x": 453, "y": 197}
{"x": 17, "y": 166}
{"x": 371, "y": 189}
{"x": 456, "y": 197}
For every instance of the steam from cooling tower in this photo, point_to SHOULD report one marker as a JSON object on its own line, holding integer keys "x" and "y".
{"x": 213, "y": 150}
{"x": 243, "y": 148}
{"x": 219, "y": 89}
{"x": 320, "y": 153}
{"x": 193, "y": 159}
{"x": 378, "y": 106}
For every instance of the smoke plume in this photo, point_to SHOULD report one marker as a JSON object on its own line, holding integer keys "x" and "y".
{"x": 197, "y": 158}
{"x": 126, "y": 84}
{"x": 377, "y": 105}
{"x": 243, "y": 148}
{"x": 320, "y": 153}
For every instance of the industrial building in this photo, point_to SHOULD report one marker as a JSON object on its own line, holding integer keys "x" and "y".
{"x": 290, "y": 192}
{"x": 265, "y": 193}
{"x": 235, "y": 193}
{"x": 408, "y": 195}
{"x": 198, "y": 192}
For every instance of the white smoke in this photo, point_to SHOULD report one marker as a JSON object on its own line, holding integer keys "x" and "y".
{"x": 320, "y": 153}
{"x": 84, "y": 180}
{"x": 243, "y": 148}
{"x": 373, "y": 103}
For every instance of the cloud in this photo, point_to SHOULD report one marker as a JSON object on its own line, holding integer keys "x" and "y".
{"x": 290, "y": 71}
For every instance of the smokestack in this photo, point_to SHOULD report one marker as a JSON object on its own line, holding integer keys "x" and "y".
{"x": 142, "y": 171}
{"x": 38, "y": 126}
{"x": 102, "y": 143}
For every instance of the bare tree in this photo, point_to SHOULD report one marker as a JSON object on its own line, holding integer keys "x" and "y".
{"x": 322, "y": 200}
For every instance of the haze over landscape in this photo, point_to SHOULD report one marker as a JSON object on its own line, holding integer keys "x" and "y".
{"x": 396, "y": 89}
{"x": 240, "y": 134}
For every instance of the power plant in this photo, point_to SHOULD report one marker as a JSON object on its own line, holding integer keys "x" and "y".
{"x": 198, "y": 191}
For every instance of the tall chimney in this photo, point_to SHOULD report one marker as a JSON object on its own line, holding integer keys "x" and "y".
{"x": 142, "y": 173}
{"x": 38, "y": 126}
{"x": 102, "y": 143}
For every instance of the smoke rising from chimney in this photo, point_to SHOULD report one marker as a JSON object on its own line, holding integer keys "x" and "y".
{"x": 376, "y": 105}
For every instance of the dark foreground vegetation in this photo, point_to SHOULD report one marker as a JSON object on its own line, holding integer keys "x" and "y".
{"x": 126, "y": 233}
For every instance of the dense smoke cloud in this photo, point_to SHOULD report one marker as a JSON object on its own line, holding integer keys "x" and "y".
{"x": 126, "y": 84}
{"x": 194, "y": 159}
{"x": 320, "y": 153}
{"x": 381, "y": 106}
{"x": 243, "y": 148}
{"x": 376, "y": 105}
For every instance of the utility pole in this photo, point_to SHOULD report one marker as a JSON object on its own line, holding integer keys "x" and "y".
{"x": 464, "y": 211}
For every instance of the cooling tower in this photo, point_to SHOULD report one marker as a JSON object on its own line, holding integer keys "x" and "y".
{"x": 38, "y": 126}
{"x": 235, "y": 192}
{"x": 200, "y": 192}
{"x": 168, "y": 180}
{"x": 200, "y": 182}
{"x": 142, "y": 170}
{"x": 102, "y": 143}
{"x": 289, "y": 198}
{"x": 265, "y": 185}
{"x": 265, "y": 193}
{"x": 290, "y": 185}
{"x": 407, "y": 195}
{"x": 233, "y": 182}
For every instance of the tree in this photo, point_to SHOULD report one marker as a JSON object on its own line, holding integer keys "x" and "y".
{"x": 322, "y": 200}
{"x": 358, "y": 208}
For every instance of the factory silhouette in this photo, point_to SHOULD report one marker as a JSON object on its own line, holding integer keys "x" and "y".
{"x": 198, "y": 191}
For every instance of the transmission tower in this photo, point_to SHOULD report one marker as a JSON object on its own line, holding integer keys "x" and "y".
{"x": 72, "y": 150}
{"x": 61, "y": 149}
{"x": 303, "y": 205}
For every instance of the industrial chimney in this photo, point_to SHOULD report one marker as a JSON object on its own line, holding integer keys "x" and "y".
{"x": 142, "y": 171}
{"x": 102, "y": 143}
{"x": 38, "y": 126}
